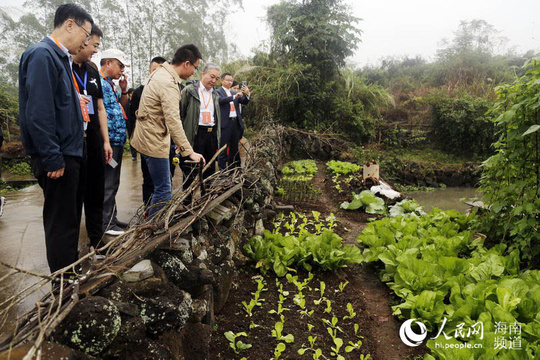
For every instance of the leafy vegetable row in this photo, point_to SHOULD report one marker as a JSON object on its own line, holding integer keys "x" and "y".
{"x": 441, "y": 269}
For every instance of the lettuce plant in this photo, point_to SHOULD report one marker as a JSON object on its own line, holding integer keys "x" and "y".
{"x": 367, "y": 201}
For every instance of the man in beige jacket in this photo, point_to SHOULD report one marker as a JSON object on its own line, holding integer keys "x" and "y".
{"x": 158, "y": 119}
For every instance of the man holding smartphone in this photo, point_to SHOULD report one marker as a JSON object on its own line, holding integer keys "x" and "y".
{"x": 113, "y": 62}
{"x": 232, "y": 126}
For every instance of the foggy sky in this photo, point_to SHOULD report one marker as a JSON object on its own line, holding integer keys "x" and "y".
{"x": 413, "y": 27}
{"x": 397, "y": 27}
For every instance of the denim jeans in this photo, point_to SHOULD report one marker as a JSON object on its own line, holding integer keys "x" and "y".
{"x": 160, "y": 172}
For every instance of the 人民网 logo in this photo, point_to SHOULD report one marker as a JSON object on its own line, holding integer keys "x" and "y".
{"x": 409, "y": 336}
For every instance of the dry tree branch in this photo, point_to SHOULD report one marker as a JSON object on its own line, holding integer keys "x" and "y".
{"x": 123, "y": 251}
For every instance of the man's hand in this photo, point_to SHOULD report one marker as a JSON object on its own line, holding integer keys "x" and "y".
{"x": 56, "y": 174}
{"x": 107, "y": 151}
{"x": 197, "y": 157}
{"x": 238, "y": 94}
{"x": 123, "y": 82}
{"x": 246, "y": 90}
{"x": 85, "y": 99}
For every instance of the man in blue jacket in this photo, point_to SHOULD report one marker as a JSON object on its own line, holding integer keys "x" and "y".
{"x": 51, "y": 119}
{"x": 232, "y": 126}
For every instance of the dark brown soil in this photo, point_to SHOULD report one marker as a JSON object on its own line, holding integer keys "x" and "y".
{"x": 235, "y": 319}
{"x": 369, "y": 296}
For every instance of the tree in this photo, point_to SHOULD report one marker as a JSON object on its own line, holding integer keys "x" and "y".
{"x": 321, "y": 33}
{"x": 467, "y": 59}
{"x": 141, "y": 28}
{"x": 311, "y": 40}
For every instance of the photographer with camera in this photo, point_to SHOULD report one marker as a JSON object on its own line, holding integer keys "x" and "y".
{"x": 232, "y": 126}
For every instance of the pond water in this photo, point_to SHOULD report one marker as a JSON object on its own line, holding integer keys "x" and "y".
{"x": 444, "y": 199}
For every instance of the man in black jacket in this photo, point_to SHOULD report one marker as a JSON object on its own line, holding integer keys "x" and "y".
{"x": 51, "y": 115}
{"x": 232, "y": 126}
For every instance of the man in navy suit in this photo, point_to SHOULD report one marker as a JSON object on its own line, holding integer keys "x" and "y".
{"x": 232, "y": 126}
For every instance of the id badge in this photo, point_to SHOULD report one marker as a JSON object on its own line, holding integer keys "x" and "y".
{"x": 90, "y": 105}
{"x": 84, "y": 110}
{"x": 206, "y": 117}
{"x": 232, "y": 108}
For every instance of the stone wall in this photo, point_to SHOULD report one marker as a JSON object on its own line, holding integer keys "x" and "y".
{"x": 164, "y": 307}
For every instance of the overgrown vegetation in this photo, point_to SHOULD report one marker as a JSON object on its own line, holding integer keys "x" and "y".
{"x": 20, "y": 168}
{"x": 461, "y": 125}
{"x": 300, "y": 81}
{"x": 511, "y": 177}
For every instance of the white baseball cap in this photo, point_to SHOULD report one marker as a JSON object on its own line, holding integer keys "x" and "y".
{"x": 116, "y": 54}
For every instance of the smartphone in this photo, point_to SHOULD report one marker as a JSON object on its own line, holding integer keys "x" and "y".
{"x": 113, "y": 163}
{"x": 244, "y": 83}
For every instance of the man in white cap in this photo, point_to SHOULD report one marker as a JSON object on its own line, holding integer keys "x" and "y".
{"x": 113, "y": 63}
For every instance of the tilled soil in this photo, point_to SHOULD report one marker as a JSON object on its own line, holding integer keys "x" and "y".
{"x": 369, "y": 297}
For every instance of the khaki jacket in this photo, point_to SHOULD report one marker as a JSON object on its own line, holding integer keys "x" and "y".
{"x": 158, "y": 117}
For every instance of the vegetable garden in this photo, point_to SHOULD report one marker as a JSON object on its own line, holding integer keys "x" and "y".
{"x": 463, "y": 286}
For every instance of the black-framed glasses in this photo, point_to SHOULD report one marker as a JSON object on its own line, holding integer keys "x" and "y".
{"x": 122, "y": 66}
{"x": 88, "y": 35}
{"x": 196, "y": 67}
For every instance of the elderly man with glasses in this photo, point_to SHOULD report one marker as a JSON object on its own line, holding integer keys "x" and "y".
{"x": 51, "y": 118}
{"x": 113, "y": 63}
{"x": 200, "y": 113}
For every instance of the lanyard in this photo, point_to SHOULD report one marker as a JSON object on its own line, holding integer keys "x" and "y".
{"x": 84, "y": 109}
{"x": 115, "y": 96}
{"x": 60, "y": 46}
{"x": 204, "y": 100}
{"x": 82, "y": 82}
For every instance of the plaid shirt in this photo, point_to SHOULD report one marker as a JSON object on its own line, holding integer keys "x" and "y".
{"x": 115, "y": 116}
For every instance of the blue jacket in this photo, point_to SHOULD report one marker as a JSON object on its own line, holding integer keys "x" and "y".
{"x": 224, "y": 101}
{"x": 49, "y": 112}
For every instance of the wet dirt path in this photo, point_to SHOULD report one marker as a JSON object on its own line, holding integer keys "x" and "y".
{"x": 382, "y": 326}
{"x": 22, "y": 241}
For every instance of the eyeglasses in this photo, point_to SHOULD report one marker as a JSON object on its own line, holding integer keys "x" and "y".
{"x": 122, "y": 66}
{"x": 88, "y": 35}
{"x": 196, "y": 67}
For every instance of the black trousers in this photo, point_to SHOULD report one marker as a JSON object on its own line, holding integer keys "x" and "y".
{"x": 94, "y": 186}
{"x": 112, "y": 184}
{"x": 206, "y": 144}
{"x": 62, "y": 210}
{"x": 148, "y": 185}
{"x": 230, "y": 135}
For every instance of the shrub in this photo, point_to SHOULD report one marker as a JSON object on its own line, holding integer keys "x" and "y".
{"x": 460, "y": 125}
